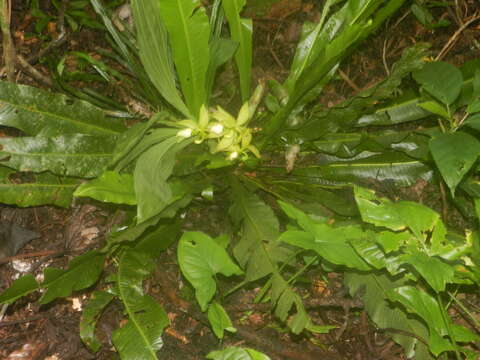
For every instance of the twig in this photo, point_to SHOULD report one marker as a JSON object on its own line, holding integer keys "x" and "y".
{"x": 37, "y": 75}
{"x": 444, "y": 202}
{"x": 349, "y": 81}
{"x": 8, "y": 48}
{"x": 448, "y": 46}
{"x": 384, "y": 57}
{"x": 23, "y": 321}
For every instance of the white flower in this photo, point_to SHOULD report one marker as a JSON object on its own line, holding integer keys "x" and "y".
{"x": 185, "y": 133}
{"x": 233, "y": 155}
{"x": 216, "y": 128}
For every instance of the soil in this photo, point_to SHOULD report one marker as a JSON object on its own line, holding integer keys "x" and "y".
{"x": 31, "y": 331}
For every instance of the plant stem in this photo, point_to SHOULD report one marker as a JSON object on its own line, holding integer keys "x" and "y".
{"x": 8, "y": 48}
{"x": 446, "y": 320}
{"x": 465, "y": 310}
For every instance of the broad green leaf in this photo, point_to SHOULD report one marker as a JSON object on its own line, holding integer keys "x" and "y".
{"x": 92, "y": 311}
{"x": 285, "y": 300}
{"x": 129, "y": 139}
{"x": 141, "y": 336}
{"x": 392, "y": 241}
{"x": 316, "y": 196}
{"x": 219, "y": 320}
{"x": 43, "y": 189}
{"x": 436, "y": 272}
{"x": 259, "y": 229}
{"x": 39, "y": 112}
{"x": 435, "y": 108}
{"x": 442, "y": 80}
{"x": 83, "y": 271}
{"x": 454, "y": 155}
{"x": 152, "y": 170}
{"x": 237, "y": 353}
{"x": 474, "y": 107}
{"x": 419, "y": 302}
{"x": 370, "y": 252}
{"x": 158, "y": 239}
{"x": 241, "y": 32}
{"x": 200, "y": 259}
{"x": 20, "y": 287}
{"x": 400, "y": 168}
{"x": 110, "y": 187}
{"x": 402, "y": 112}
{"x": 188, "y": 31}
{"x": 154, "y": 49}
{"x": 352, "y": 111}
{"x": 66, "y": 155}
{"x": 462, "y": 334}
{"x": 133, "y": 149}
{"x": 221, "y": 50}
{"x": 372, "y": 288}
{"x": 395, "y": 216}
{"x": 329, "y": 243}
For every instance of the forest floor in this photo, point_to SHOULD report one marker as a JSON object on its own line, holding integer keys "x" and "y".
{"x": 30, "y": 331}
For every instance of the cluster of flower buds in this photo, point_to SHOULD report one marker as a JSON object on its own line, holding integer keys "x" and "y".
{"x": 222, "y": 131}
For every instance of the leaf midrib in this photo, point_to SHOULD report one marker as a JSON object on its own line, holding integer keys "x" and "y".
{"x": 132, "y": 317}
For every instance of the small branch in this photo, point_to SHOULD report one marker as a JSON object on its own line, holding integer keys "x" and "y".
{"x": 448, "y": 46}
{"x": 37, "y": 75}
{"x": 8, "y": 48}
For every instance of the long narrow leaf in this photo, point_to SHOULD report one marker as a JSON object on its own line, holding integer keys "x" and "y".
{"x": 140, "y": 337}
{"x": 189, "y": 32}
{"x": 42, "y": 189}
{"x": 36, "y": 111}
{"x": 83, "y": 271}
{"x": 241, "y": 31}
{"x": 155, "y": 52}
{"x": 68, "y": 155}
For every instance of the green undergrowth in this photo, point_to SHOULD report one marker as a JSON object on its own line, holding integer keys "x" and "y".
{"x": 309, "y": 211}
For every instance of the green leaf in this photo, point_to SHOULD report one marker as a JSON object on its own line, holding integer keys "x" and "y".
{"x": 237, "y": 353}
{"x": 259, "y": 230}
{"x": 43, "y": 189}
{"x": 83, "y": 271}
{"x": 329, "y": 243}
{"x": 189, "y": 31}
{"x": 200, "y": 259}
{"x": 152, "y": 170}
{"x": 442, "y": 80}
{"x": 241, "y": 32}
{"x": 285, "y": 300}
{"x": 357, "y": 111}
{"x": 66, "y": 155}
{"x": 158, "y": 239}
{"x": 20, "y": 287}
{"x": 110, "y": 187}
{"x": 435, "y": 108}
{"x": 221, "y": 50}
{"x": 454, "y": 155}
{"x": 141, "y": 336}
{"x": 130, "y": 139}
{"x": 332, "y": 244}
{"x": 39, "y": 112}
{"x": 396, "y": 166}
{"x": 436, "y": 272}
{"x": 372, "y": 288}
{"x": 92, "y": 311}
{"x": 422, "y": 304}
{"x": 155, "y": 51}
{"x": 395, "y": 216}
{"x": 219, "y": 320}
